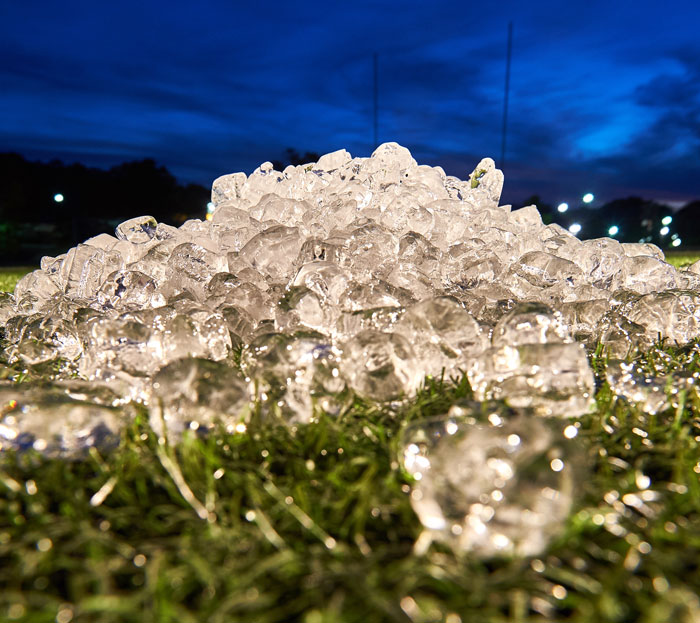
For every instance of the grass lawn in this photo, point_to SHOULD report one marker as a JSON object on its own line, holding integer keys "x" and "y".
{"x": 315, "y": 525}
{"x": 10, "y": 276}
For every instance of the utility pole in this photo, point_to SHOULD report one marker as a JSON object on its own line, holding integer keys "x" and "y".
{"x": 502, "y": 163}
{"x": 376, "y": 103}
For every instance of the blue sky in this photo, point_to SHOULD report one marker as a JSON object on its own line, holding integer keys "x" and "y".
{"x": 605, "y": 96}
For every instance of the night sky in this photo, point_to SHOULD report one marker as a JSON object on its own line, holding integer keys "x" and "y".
{"x": 605, "y": 96}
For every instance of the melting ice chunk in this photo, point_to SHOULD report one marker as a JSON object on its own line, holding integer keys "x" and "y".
{"x": 138, "y": 230}
{"x": 50, "y": 421}
{"x": 294, "y": 374}
{"x": 196, "y": 394}
{"x": 499, "y": 487}
{"x": 554, "y": 379}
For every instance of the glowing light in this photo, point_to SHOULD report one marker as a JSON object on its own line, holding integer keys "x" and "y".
{"x": 588, "y": 198}
{"x": 208, "y": 216}
{"x": 667, "y": 220}
{"x": 557, "y": 465}
{"x": 563, "y": 207}
{"x": 210, "y": 207}
{"x": 570, "y": 431}
{"x": 613, "y": 230}
{"x": 58, "y": 197}
{"x": 575, "y": 228}
{"x": 664, "y": 230}
{"x": 676, "y": 242}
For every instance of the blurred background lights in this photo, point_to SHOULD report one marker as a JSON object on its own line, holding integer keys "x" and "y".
{"x": 676, "y": 242}
{"x": 563, "y": 207}
{"x": 58, "y": 197}
{"x": 588, "y": 198}
{"x": 210, "y": 207}
{"x": 613, "y": 230}
{"x": 664, "y": 230}
{"x": 666, "y": 220}
{"x": 575, "y": 228}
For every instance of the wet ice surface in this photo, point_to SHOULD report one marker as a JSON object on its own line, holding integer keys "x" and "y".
{"x": 349, "y": 276}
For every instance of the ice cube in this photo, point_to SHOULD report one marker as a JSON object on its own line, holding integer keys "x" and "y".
{"x": 36, "y": 418}
{"x": 381, "y": 366}
{"x": 295, "y": 374}
{"x": 444, "y": 334}
{"x": 530, "y": 323}
{"x": 495, "y": 487}
{"x": 647, "y": 274}
{"x": 671, "y": 314}
{"x": 137, "y": 230}
{"x": 48, "y": 338}
{"x": 128, "y": 289}
{"x": 642, "y": 390}
{"x": 196, "y": 394}
{"x": 554, "y": 379}
{"x": 273, "y": 252}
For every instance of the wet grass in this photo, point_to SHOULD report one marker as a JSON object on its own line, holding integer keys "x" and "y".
{"x": 315, "y": 525}
{"x": 10, "y": 276}
{"x": 681, "y": 259}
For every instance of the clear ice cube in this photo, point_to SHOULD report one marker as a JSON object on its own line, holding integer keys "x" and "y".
{"x": 53, "y": 424}
{"x": 498, "y": 486}
{"x": 381, "y": 366}
{"x": 196, "y": 394}
{"x": 137, "y": 230}
{"x": 295, "y": 374}
{"x": 553, "y": 378}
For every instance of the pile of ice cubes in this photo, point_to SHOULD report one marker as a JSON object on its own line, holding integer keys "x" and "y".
{"x": 345, "y": 276}
{"x": 348, "y": 276}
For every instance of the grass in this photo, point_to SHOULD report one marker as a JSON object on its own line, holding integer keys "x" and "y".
{"x": 10, "y": 276}
{"x": 315, "y": 525}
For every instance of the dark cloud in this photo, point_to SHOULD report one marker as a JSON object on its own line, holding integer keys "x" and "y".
{"x": 600, "y": 94}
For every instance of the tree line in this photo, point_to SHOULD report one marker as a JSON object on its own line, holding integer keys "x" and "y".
{"x": 33, "y": 223}
{"x": 94, "y": 201}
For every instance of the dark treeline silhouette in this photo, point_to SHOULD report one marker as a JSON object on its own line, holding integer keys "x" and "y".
{"x": 293, "y": 157}
{"x": 636, "y": 220}
{"x": 32, "y": 223}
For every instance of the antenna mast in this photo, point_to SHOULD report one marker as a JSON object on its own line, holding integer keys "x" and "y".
{"x": 505, "y": 96}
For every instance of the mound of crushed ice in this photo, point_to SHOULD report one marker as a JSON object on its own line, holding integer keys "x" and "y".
{"x": 341, "y": 277}
{"x": 346, "y": 275}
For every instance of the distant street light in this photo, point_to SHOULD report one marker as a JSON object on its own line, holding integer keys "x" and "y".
{"x": 664, "y": 231}
{"x": 588, "y": 198}
{"x": 574, "y": 228}
{"x": 210, "y": 210}
{"x": 667, "y": 220}
{"x": 563, "y": 207}
{"x": 58, "y": 197}
{"x": 676, "y": 242}
{"x": 613, "y": 231}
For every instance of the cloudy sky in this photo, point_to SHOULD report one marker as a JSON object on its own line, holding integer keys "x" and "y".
{"x": 605, "y": 96}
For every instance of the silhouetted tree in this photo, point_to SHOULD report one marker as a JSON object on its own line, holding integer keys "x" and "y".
{"x": 294, "y": 158}
{"x": 685, "y": 222}
{"x": 95, "y": 200}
